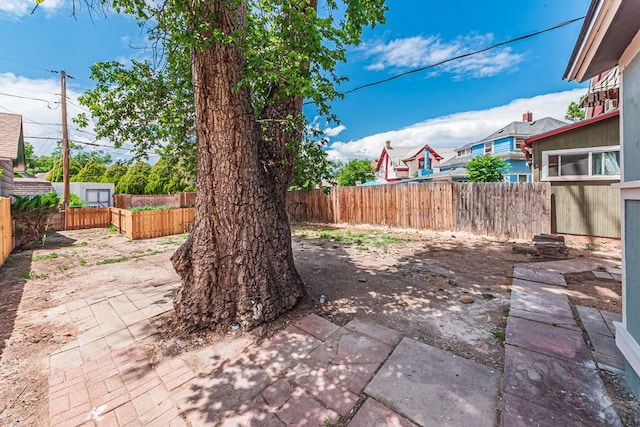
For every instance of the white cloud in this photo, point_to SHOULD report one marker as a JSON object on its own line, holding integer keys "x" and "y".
{"x": 335, "y": 131}
{"x": 41, "y": 117}
{"x": 18, "y": 8}
{"x": 456, "y": 129}
{"x": 419, "y": 51}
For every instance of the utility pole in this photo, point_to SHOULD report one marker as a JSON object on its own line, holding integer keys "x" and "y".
{"x": 65, "y": 146}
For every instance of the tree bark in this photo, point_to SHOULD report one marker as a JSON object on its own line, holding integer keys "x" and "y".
{"x": 237, "y": 263}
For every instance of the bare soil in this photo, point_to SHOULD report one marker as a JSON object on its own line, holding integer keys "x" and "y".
{"x": 408, "y": 280}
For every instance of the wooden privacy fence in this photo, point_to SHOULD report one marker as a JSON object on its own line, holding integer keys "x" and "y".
{"x": 497, "y": 209}
{"x": 6, "y": 229}
{"x": 148, "y": 224}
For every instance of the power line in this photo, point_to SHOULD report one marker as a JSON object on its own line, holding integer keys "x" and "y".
{"x": 464, "y": 55}
{"x": 28, "y": 97}
{"x": 26, "y": 64}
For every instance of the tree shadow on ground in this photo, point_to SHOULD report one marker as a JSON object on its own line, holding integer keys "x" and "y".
{"x": 404, "y": 291}
{"x": 14, "y": 274}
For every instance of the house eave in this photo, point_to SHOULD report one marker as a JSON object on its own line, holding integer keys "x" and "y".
{"x": 609, "y": 27}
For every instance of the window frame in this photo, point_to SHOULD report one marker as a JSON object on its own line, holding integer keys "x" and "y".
{"x": 577, "y": 151}
{"x": 487, "y": 145}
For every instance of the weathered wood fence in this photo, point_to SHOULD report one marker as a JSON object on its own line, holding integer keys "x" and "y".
{"x": 505, "y": 210}
{"x": 6, "y": 229}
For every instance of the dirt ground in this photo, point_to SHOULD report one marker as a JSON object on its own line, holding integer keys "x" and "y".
{"x": 411, "y": 281}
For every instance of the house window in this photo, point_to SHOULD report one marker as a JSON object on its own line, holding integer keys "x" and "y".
{"x": 581, "y": 164}
{"x": 421, "y": 163}
{"x": 517, "y": 144}
{"x": 488, "y": 147}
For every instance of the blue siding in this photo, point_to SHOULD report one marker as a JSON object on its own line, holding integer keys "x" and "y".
{"x": 477, "y": 150}
{"x": 503, "y": 145}
{"x": 518, "y": 166}
{"x": 631, "y": 172}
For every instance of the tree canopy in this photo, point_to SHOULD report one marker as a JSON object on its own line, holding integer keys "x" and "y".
{"x": 574, "y": 112}
{"x": 355, "y": 171}
{"x": 487, "y": 168}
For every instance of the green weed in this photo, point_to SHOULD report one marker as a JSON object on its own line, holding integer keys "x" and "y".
{"x": 499, "y": 335}
{"x": 488, "y": 296}
{"x": 64, "y": 267}
{"x": 83, "y": 262}
{"x": 112, "y": 228}
{"x": 52, "y": 255}
{"x": 505, "y": 312}
{"x": 112, "y": 260}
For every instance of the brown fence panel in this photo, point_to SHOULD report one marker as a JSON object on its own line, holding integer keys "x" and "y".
{"x": 148, "y": 224}
{"x": 83, "y": 218}
{"x": 497, "y": 209}
{"x": 514, "y": 211}
{"x": 6, "y": 229}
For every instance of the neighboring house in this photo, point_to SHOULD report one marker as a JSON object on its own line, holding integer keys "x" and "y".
{"x": 396, "y": 163}
{"x": 504, "y": 143}
{"x": 581, "y": 161}
{"x": 31, "y": 186}
{"x": 610, "y": 36}
{"x": 603, "y": 94}
{"x": 96, "y": 194}
{"x": 12, "y": 158}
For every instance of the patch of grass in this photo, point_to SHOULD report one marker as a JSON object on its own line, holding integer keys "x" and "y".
{"x": 85, "y": 243}
{"x": 505, "y": 312}
{"x": 83, "y": 262}
{"x": 29, "y": 274}
{"x": 112, "y": 260}
{"x": 64, "y": 267}
{"x": 150, "y": 208}
{"x": 488, "y": 296}
{"x": 361, "y": 239}
{"x": 592, "y": 246}
{"x": 112, "y": 228}
{"x": 498, "y": 335}
{"x": 52, "y": 255}
{"x": 169, "y": 241}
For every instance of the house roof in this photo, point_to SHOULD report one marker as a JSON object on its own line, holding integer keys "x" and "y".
{"x": 399, "y": 155}
{"x": 10, "y": 135}
{"x": 572, "y": 126}
{"x": 608, "y": 28}
{"x": 456, "y": 161}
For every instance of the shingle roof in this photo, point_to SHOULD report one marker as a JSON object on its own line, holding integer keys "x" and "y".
{"x": 455, "y": 161}
{"x": 10, "y": 131}
{"x": 521, "y": 128}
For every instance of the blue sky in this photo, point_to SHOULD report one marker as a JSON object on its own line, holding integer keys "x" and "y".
{"x": 446, "y": 106}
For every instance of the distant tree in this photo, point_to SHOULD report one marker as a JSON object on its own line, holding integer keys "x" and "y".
{"x": 91, "y": 172}
{"x": 37, "y": 164}
{"x": 135, "y": 180}
{"x": 574, "y": 112}
{"x": 487, "y": 168}
{"x": 166, "y": 177}
{"x": 55, "y": 174}
{"x": 114, "y": 172}
{"x": 354, "y": 171}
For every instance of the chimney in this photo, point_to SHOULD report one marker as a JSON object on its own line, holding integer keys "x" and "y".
{"x": 527, "y": 117}
{"x": 388, "y": 144}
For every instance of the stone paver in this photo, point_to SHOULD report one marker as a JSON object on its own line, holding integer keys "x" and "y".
{"x": 539, "y": 298}
{"x": 317, "y": 326}
{"x": 565, "y": 388}
{"x": 547, "y": 339}
{"x": 434, "y": 387}
{"x": 539, "y": 275}
{"x": 598, "y": 326}
{"x": 375, "y": 414}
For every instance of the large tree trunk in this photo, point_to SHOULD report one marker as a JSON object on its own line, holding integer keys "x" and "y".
{"x": 237, "y": 264}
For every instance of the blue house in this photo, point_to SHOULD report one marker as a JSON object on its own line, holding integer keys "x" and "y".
{"x": 504, "y": 143}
